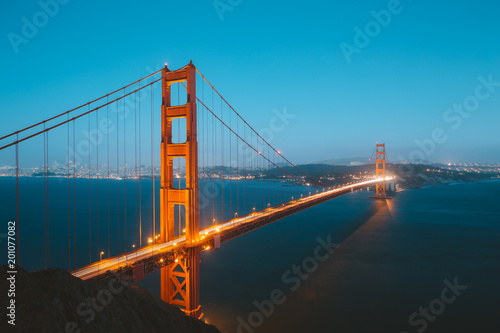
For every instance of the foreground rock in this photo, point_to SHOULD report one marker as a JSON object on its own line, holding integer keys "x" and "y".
{"x": 55, "y": 301}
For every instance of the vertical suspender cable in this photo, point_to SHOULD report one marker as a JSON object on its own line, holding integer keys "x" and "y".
{"x": 254, "y": 192}
{"x": 245, "y": 172}
{"x": 201, "y": 135}
{"x": 97, "y": 175}
{"x": 124, "y": 173}
{"x": 45, "y": 194}
{"x": 90, "y": 230}
{"x": 74, "y": 195}
{"x": 237, "y": 170}
{"x": 45, "y": 191}
{"x": 213, "y": 161}
{"x": 107, "y": 162}
{"x": 135, "y": 168}
{"x": 207, "y": 165}
{"x": 69, "y": 213}
{"x": 222, "y": 164}
{"x": 117, "y": 180}
{"x": 268, "y": 178}
{"x": 48, "y": 206}
{"x": 153, "y": 220}
{"x": 230, "y": 171}
{"x": 140, "y": 169}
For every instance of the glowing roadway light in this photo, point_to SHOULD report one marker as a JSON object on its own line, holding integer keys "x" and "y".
{"x": 150, "y": 240}
{"x": 176, "y": 260}
{"x": 102, "y": 252}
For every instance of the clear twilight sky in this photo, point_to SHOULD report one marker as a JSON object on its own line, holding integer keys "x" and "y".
{"x": 349, "y": 81}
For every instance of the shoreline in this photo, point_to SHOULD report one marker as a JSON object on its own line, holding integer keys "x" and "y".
{"x": 456, "y": 183}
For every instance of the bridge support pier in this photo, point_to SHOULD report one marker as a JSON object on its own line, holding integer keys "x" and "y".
{"x": 180, "y": 280}
{"x": 180, "y": 283}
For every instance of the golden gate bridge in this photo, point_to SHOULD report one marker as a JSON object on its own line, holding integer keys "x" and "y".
{"x": 205, "y": 143}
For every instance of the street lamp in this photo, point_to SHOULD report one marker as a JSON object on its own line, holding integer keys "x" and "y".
{"x": 99, "y": 264}
{"x": 150, "y": 241}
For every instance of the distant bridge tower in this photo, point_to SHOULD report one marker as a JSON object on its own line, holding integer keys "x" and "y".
{"x": 380, "y": 170}
{"x": 180, "y": 279}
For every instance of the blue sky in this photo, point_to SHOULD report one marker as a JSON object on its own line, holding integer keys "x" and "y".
{"x": 273, "y": 55}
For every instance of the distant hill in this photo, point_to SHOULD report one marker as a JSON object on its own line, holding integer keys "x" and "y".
{"x": 408, "y": 175}
{"x": 323, "y": 170}
{"x": 345, "y": 161}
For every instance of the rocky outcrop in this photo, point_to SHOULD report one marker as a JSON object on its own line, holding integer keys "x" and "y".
{"x": 55, "y": 301}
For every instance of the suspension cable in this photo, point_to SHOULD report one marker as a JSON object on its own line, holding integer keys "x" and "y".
{"x": 293, "y": 165}
{"x": 243, "y": 140}
{"x": 78, "y": 107}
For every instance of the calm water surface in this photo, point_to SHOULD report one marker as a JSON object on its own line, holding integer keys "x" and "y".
{"x": 392, "y": 260}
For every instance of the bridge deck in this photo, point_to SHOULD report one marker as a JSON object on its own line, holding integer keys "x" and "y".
{"x": 227, "y": 231}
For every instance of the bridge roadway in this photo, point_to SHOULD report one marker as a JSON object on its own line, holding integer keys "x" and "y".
{"x": 227, "y": 230}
